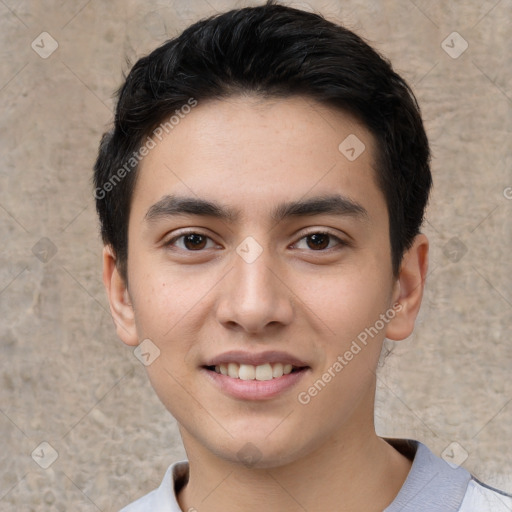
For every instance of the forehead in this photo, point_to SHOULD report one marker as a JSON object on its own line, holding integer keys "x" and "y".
{"x": 252, "y": 153}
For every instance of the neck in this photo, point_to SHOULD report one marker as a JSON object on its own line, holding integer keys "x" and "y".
{"x": 351, "y": 472}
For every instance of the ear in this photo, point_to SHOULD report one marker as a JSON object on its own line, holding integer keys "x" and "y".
{"x": 121, "y": 307}
{"x": 409, "y": 289}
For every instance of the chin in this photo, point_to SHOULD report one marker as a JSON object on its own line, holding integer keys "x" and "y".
{"x": 249, "y": 456}
{"x": 258, "y": 451}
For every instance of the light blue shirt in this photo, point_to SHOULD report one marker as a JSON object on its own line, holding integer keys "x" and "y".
{"x": 432, "y": 485}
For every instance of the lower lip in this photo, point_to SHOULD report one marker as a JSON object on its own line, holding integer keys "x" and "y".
{"x": 254, "y": 389}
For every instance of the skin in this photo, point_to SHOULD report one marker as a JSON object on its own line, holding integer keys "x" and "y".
{"x": 249, "y": 155}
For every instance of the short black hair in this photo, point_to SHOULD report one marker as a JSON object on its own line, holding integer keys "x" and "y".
{"x": 272, "y": 51}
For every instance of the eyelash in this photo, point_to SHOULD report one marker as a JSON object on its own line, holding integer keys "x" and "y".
{"x": 340, "y": 242}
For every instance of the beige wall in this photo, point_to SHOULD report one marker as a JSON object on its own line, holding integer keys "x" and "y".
{"x": 67, "y": 380}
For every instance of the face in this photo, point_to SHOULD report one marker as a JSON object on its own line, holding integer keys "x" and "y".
{"x": 259, "y": 257}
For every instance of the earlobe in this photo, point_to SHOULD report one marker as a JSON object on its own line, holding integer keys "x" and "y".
{"x": 409, "y": 289}
{"x": 119, "y": 299}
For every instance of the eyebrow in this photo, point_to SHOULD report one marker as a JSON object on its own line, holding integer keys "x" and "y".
{"x": 172, "y": 205}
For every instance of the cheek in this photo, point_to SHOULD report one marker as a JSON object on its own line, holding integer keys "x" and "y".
{"x": 349, "y": 302}
{"x": 163, "y": 301}
{"x": 165, "y": 315}
{"x": 170, "y": 310}
{"x": 156, "y": 308}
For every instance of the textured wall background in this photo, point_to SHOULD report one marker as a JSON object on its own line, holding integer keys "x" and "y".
{"x": 66, "y": 380}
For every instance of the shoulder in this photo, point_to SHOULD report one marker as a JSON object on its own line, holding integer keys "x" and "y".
{"x": 435, "y": 485}
{"x": 483, "y": 498}
{"x": 162, "y": 499}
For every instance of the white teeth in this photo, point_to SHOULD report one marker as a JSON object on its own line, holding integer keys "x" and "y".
{"x": 233, "y": 370}
{"x": 246, "y": 372}
{"x": 267, "y": 371}
{"x": 264, "y": 372}
{"x": 277, "y": 370}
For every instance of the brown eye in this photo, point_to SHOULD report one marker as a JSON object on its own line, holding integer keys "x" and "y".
{"x": 191, "y": 242}
{"x": 194, "y": 241}
{"x": 318, "y": 241}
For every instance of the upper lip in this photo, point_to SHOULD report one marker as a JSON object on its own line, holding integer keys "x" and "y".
{"x": 255, "y": 359}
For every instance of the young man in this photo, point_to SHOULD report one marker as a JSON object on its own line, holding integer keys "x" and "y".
{"x": 261, "y": 197}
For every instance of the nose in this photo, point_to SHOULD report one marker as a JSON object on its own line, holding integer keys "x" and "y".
{"x": 254, "y": 296}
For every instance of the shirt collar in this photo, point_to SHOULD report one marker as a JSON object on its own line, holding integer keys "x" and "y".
{"x": 432, "y": 485}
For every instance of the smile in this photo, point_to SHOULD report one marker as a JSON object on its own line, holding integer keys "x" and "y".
{"x": 254, "y": 376}
{"x": 266, "y": 371}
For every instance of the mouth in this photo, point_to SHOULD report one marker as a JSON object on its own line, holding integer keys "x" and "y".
{"x": 261, "y": 372}
{"x": 250, "y": 376}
